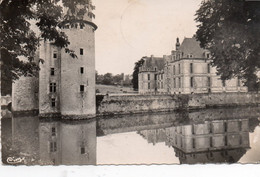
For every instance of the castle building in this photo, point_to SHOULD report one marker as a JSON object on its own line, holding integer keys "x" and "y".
{"x": 187, "y": 70}
{"x": 65, "y": 85}
{"x": 148, "y": 74}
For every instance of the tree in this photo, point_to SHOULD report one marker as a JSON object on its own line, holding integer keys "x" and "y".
{"x": 135, "y": 73}
{"x": 19, "y": 40}
{"x": 118, "y": 79}
{"x": 108, "y": 79}
{"x": 127, "y": 80}
{"x": 230, "y": 30}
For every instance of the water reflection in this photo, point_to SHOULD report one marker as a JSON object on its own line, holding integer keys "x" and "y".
{"x": 24, "y": 141}
{"x": 210, "y": 142}
{"x": 48, "y": 142}
{"x": 205, "y": 136}
{"x": 67, "y": 143}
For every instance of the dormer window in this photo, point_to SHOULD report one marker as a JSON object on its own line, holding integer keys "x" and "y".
{"x": 81, "y": 26}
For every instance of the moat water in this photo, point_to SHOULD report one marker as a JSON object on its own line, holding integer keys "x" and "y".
{"x": 229, "y": 135}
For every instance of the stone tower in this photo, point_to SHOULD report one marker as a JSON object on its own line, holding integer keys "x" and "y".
{"x": 25, "y": 92}
{"x": 67, "y": 85}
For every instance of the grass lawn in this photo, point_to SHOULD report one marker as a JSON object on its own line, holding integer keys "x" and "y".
{"x": 104, "y": 89}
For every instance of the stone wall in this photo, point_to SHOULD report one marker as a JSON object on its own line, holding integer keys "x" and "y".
{"x": 223, "y": 99}
{"x": 136, "y": 104}
{"x": 25, "y": 94}
{"x": 128, "y": 104}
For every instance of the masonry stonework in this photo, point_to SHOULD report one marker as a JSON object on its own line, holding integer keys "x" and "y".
{"x": 25, "y": 94}
{"x": 155, "y": 103}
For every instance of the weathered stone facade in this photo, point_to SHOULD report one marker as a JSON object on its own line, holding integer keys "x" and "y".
{"x": 25, "y": 94}
{"x": 66, "y": 85}
{"x": 129, "y": 104}
{"x": 187, "y": 70}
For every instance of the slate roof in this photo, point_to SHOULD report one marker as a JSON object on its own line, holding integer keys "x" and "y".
{"x": 152, "y": 62}
{"x": 191, "y": 46}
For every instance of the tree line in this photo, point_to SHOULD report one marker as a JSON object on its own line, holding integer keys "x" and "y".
{"x": 110, "y": 79}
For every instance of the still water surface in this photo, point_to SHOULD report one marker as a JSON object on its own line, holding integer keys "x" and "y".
{"x": 206, "y": 136}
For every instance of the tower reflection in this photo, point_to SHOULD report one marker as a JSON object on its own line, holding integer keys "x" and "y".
{"x": 67, "y": 143}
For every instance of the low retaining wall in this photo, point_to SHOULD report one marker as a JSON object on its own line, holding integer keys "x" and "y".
{"x": 128, "y": 104}
{"x": 223, "y": 99}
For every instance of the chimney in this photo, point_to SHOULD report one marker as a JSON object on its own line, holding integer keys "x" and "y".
{"x": 177, "y": 44}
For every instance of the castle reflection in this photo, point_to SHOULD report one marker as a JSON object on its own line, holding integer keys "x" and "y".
{"x": 207, "y": 136}
{"x": 216, "y": 141}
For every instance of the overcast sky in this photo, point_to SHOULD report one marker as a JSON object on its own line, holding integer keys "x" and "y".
{"x": 130, "y": 29}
